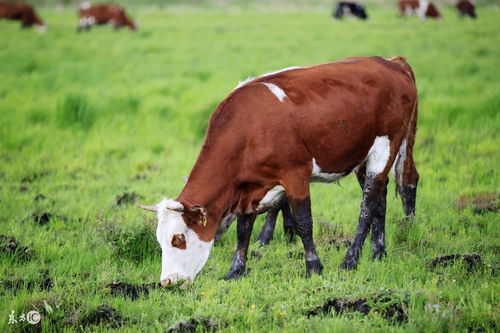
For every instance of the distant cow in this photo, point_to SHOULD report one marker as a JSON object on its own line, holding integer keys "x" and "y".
{"x": 350, "y": 8}
{"x": 423, "y": 9}
{"x": 466, "y": 8}
{"x": 90, "y": 14}
{"x": 22, "y": 12}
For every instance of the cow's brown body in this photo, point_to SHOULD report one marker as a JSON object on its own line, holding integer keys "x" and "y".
{"x": 91, "y": 14}
{"x": 466, "y": 8}
{"x": 22, "y": 12}
{"x": 423, "y": 9}
{"x": 332, "y": 115}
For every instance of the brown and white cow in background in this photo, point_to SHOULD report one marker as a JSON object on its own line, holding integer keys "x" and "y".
{"x": 466, "y": 8}
{"x": 92, "y": 14}
{"x": 421, "y": 8}
{"x": 22, "y": 12}
{"x": 275, "y": 134}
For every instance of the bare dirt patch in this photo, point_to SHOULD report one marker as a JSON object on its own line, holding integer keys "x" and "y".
{"x": 9, "y": 246}
{"x": 102, "y": 315}
{"x": 45, "y": 282}
{"x": 131, "y": 291}
{"x": 389, "y": 305}
{"x": 193, "y": 325}
{"x": 480, "y": 203}
{"x": 127, "y": 198}
{"x": 42, "y": 218}
{"x": 472, "y": 261}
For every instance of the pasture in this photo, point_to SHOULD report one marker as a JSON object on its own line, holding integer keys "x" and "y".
{"x": 92, "y": 124}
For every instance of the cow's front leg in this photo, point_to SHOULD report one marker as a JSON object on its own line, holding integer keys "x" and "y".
{"x": 301, "y": 210}
{"x": 244, "y": 231}
{"x": 371, "y": 194}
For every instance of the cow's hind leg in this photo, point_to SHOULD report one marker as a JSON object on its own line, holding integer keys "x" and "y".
{"x": 244, "y": 231}
{"x": 267, "y": 231}
{"x": 373, "y": 206}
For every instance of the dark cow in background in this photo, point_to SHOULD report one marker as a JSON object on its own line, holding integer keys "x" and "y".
{"x": 22, "y": 12}
{"x": 466, "y": 8}
{"x": 91, "y": 14}
{"x": 349, "y": 8}
{"x": 423, "y": 9}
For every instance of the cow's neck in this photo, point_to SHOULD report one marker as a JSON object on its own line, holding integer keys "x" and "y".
{"x": 211, "y": 185}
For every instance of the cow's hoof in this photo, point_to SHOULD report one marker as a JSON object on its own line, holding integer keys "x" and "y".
{"x": 379, "y": 253}
{"x": 235, "y": 273}
{"x": 264, "y": 240}
{"x": 349, "y": 264}
{"x": 313, "y": 266}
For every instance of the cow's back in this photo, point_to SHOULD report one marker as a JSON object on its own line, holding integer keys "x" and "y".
{"x": 330, "y": 111}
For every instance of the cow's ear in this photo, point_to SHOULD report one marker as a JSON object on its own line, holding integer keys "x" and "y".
{"x": 200, "y": 213}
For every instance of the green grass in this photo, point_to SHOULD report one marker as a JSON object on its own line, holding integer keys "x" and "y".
{"x": 86, "y": 117}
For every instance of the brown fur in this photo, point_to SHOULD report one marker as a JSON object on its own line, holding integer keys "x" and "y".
{"x": 466, "y": 8}
{"x": 20, "y": 11}
{"x": 430, "y": 12}
{"x": 106, "y": 13}
{"x": 179, "y": 241}
{"x": 255, "y": 142}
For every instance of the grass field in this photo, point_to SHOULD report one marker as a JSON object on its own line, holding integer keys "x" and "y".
{"x": 87, "y": 117}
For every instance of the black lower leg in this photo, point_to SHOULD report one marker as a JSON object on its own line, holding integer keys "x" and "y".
{"x": 267, "y": 231}
{"x": 244, "y": 231}
{"x": 371, "y": 192}
{"x": 408, "y": 197}
{"x": 288, "y": 221}
{"x": 378, "y": 225}
{"x": 304, "y": 227}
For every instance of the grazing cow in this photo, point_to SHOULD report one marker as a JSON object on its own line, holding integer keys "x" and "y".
{"x": 466, "y": 8}
{"x": 351, "y": 8}
{"x": 22, "y": 12}
{"x": 421, "y": 8}
{"x": 275, "y": 134}
{"x": 99, "y": 14}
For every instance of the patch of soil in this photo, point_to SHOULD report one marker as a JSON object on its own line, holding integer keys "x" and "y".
{"x": 473, "y": 261}
{"x": 103, "y": 315}
{"x": 255, "y": 255}
{"x": 39, "y": 197}
{"x": 389, "y": 307}
{"x": 131, "y": 291}
{"x": 191, "y": 325}
{"x": 126, "y": 198}
{"x": 480, "y": 203}
{"x": 9, "y": 246}
{"x": 42, "y": 218}
{"x": 44, "y": 283}
{"x": 140, "y": 176}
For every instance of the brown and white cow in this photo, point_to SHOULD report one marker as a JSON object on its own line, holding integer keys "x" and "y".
{"x": 466, "y": 8}
{"x": 22, "y": 12}
{"x": 91, "y": 14}
{"x": 421, "y": 8}
{"x": 275, "y": 134}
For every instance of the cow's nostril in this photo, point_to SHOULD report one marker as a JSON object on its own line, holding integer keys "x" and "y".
{"x": 166, "y": 283}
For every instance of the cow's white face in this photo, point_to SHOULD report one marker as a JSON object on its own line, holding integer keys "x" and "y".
{"x": 183, "y": 253}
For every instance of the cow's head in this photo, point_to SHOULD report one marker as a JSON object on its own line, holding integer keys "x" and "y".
{"x": 130, "y": 24}
{"x": 183, "y": 252}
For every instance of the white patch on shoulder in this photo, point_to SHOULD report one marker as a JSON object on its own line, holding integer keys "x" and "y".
{"x": 379, "y": 153}
{"x": 179, "y": 264}
{"x": 277, "y": 91}
{"x": 271, "y": 198}
{"x": 242, "y": 83}
{"x": 323, "y": 177}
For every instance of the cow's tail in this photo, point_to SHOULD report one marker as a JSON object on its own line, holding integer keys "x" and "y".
{"x": 405, "y": 172}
